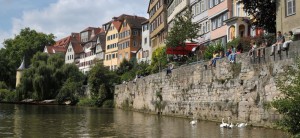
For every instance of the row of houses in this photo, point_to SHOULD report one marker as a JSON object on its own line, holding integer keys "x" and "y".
{"x": 118, "y": 39}
{"x": 130, "y": 36}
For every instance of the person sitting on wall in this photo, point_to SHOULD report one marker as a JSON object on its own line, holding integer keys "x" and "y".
{"x": 253, "y": 47}
{"x": 169, "y": 69}
{"x": 231, "y": 57}
{"x": 239, "y": 48}
{"x": 228, "y": 52}
{"x": 279, "y": 41}
{"x": 216, "y": 56}
{"x": 262, "y": 46}
{"x": 290, "y": 38}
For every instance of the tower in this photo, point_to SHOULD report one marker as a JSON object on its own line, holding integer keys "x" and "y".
{"x": 19, "y": 72}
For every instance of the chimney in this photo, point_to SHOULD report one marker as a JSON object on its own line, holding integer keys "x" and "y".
{"x": 115, "y": 18}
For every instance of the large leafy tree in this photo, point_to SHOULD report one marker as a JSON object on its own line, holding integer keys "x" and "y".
{"x": 49, "y": 78}
{"x": 264, "y": 13}
{"x": 27, "y": 43}
{"x": 101, "y": 75}
{"x": 183, "y": 29}
{"x": 288, "y": 105}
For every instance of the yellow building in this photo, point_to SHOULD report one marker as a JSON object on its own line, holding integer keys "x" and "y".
{"x": 288, "y": 17}
{"x": 157, "y": 11}
{"x": 130, "y": 37}
{"x": 111, "y": 50}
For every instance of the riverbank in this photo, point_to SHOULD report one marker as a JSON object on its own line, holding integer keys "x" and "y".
{"x": 35, "y": 102}
{"x": 242, "y": 91}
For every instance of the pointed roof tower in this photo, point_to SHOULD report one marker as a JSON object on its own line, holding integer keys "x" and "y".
{"x": 22, "y": 66}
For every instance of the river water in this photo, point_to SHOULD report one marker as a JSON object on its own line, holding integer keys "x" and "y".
{"x": 37, "y": 121}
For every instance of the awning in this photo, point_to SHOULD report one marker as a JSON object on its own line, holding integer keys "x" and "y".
{"x": 182, "y": 50}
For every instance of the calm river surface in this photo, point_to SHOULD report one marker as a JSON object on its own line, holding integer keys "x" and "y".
{"x": 32, "y": 121}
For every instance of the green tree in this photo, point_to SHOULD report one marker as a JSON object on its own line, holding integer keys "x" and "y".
{"x": 103, "y": 95}
{"x": 264, "y": 13}
{"x": 182, "y": 30}
{"x": 288, "y": 105}
{"x": 27, "y": 43}
{"x": 49, "y": 78}
{"x": 125, "y": 66}
{"x": 99, "y": 75}
{"x": 158, "y": 61}
{"x": 216, "y": 47}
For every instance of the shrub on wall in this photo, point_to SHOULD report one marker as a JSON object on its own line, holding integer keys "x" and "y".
{"x": 159, "y": 60}
{"x": 215, "y": 47}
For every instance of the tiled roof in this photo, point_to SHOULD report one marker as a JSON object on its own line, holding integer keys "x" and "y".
{"x": 55, "y": 49}
{"x": 102, "y": 40}
{"x": 117, "y": 24}
{"x": 89, "y": 28}
{"x": 62, "y": 42}
{"x": 135, "y": 21}
{"x": 145, "y": 22}
{"x": 76, "y": 46}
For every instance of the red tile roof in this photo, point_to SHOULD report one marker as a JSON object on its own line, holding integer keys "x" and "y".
{"x": 76, "y": 46}
{"x": 62, "y": 42}
{"x": 55, "y": 49}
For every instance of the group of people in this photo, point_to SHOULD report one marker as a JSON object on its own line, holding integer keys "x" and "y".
{"x": 282, "y": 42}
{"x": 230, "y": 54}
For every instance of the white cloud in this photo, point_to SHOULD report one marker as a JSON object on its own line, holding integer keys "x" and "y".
{"x": 3, "y": 35}
{"x": 68, "y": 16}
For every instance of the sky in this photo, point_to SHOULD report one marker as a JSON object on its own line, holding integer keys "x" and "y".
{"x": 62, "y": 17}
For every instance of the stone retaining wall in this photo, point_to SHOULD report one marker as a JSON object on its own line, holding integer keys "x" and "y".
{"x": 242, "y": 91}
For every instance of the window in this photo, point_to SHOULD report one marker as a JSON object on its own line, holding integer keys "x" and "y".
{"x": 145, "y": 40}
{"x": 216, "y": 2}
{"x": 290, "y": 7}
{"x": 126, "y": 55}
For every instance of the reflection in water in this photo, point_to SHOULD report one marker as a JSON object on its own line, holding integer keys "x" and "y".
{"x": 67, "y": 121}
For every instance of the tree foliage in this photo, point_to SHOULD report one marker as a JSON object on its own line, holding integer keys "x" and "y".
{"x": 264, "y": 13}
{"x": 27, "y": 43}
{"x": 158, "y": 61}
{"x": 288, "y": 105}
{"x": 101, "y": 75}
{"x": 49, "y": 76}
{"x": 216, "y": 47}
{"x": 182, "y": 30}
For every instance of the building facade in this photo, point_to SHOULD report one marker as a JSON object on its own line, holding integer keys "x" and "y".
{"x": 112, "y": 29}
{"x": 73, "y": 51}
{"x": 219, "y": 11}
{"x": 157, "y": 11}
{"x": 130, "y": 37}
{"x": 99, "y": 47}
{"x": 144, "y": 53}
{"x": 288, "y": 17}
{"x": 174, "y": 8}
{"x": 200, "y": 16}
{"x": 88, "y": 38}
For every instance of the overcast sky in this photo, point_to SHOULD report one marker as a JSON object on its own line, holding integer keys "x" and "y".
{"x": 61, "y": 17}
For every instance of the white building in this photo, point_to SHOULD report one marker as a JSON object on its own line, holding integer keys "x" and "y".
{"x": 145, "y": 53}
{"x": 200, "y": 16}
{"x": 73, "y": 51}
{"x": 174, "y": 8}
{"x": 88, "y": 39}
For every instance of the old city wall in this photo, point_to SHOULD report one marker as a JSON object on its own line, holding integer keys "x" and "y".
{"x": 242, "y": 91}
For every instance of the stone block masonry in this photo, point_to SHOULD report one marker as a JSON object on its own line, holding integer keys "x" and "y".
{"x": 242, "y": 90}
